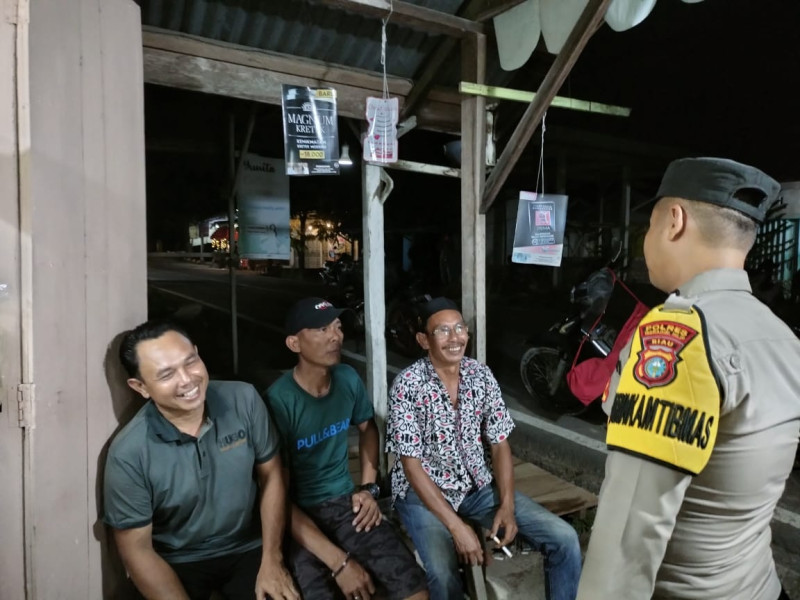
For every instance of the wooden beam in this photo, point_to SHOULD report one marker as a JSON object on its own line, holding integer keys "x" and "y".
{"x": 430, "y": 71}
{"x": 495, "y": 8}
{"x": 587, "y": 24}
{"x": 198, "y": 64}
{"x": 418, "y": 167}
{"x": 473, "y": 174}
{"x": 501, "y": 93}
{"x": 181, "y": 43}
{"x": 409, "y": 15}
{"x": 429, "y": 74}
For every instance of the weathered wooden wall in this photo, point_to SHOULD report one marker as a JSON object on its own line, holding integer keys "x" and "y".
{"x": 82, "y": 279}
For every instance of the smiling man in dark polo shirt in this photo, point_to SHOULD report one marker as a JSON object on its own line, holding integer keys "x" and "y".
{"x": 182, "y": 479}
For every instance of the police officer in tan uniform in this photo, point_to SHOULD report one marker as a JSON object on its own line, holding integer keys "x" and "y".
{"x": 704, "y": 407}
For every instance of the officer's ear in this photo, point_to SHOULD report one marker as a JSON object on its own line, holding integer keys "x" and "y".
{"x": 676, "y": 219}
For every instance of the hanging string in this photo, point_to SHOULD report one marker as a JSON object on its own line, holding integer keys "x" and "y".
{"x": 540, "y": 174}
{"x": 383, "y": 49}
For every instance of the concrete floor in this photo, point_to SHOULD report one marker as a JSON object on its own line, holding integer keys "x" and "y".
{"x": 517, "y": 578}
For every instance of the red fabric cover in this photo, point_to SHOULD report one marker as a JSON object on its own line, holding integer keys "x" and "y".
{"x": 587, "y": 379}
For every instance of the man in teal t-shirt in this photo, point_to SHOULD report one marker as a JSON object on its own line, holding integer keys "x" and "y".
{"x": 317, "y": 449}
{"x": 341, "y": 544}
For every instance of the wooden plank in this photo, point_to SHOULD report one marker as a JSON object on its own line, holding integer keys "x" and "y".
{"x": 555, "y": 494}
{"x": 473, "y": 222}
{"x": 502, "y": 93}
{"x": 492, "y": 9}
{"x": 114, "y": 194}
{"x": 14, "y": 130}
{"x": 418, "y": 167}
{"x": 587, "y": 24}
{"x": 375, "y": 188}
{"x": 199, "y": 65}
{"x": 189, "y": 45}
{"x": 409, "y": 15}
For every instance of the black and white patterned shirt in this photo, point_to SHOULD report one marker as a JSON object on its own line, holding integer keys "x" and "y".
{"x": 451, "y": 443}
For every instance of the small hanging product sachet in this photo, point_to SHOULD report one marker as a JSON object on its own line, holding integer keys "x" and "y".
{"x": 380, "y": 144}
{"x": 382, "y": 114}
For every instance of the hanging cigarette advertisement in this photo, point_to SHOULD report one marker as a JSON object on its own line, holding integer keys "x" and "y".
{"x": 539, "y": 234}
{"x": 263, "y": 196}
{"x": 310, "y": 130}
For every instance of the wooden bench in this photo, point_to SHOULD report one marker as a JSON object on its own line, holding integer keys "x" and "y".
{"x": 555, "y": 494}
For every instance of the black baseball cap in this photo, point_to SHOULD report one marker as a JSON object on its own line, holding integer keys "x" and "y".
{"x": 311, "y": 313}
{"x": 716, "y": 181}
{"x": 433, "y": 306}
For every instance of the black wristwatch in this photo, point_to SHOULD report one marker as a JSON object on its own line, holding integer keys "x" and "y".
{"x": 373, "y": 488}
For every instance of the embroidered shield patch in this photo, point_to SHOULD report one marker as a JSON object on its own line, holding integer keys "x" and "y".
{"x": 662, "y": 343}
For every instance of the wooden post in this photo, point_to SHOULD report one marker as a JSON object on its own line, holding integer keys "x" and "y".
{"x": 473, "y": 174}
{"x": 376, "y": 186}
{"x": 237, "y": 173}
{"x": 561, "y": 188}
{"x": 626, "y": 218}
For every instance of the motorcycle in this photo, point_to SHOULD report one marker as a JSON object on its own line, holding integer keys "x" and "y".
{"x": 402, "y": 318}
{"x": 342, "y": 273}
{"x": 582, "y": 335}
{"x": 345, "y": 279}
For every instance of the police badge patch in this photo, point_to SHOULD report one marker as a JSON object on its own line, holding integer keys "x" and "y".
{"x": 661, "y": 410}
{"x": 662, "y": 343}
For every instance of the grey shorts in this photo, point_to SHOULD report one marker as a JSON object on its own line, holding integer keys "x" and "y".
{"x": 380, "y": 552}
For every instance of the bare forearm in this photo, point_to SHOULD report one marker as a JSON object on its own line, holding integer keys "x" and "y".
{"x": 503, "y": 466}
{"x": 429, "y": 493}
{"x": 273, "y": 517}
{"x": 153, "y": 576}
{"x": 368, "y": 442}
{"x": 306, "y": 533}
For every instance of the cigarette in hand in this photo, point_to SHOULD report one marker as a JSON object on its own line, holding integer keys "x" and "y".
{"x": 503, "y": 548}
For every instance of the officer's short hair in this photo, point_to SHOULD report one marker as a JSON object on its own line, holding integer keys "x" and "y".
{"x": 722, "y": 226}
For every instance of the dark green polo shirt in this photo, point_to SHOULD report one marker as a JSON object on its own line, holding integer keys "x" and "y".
{"x": 199, "y": 493}
{"x": 314, "y": 433}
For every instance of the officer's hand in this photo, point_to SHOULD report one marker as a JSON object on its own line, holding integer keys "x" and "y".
{"x": 468, "y": 547}
{"x": 273, "y": 581}
{"x": 368, "y": 514}
{"x": 355, "y": 582}
{"x": 504, "y": 519}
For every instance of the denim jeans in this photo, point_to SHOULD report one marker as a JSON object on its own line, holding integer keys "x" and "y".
{"x": 544, "y": 531}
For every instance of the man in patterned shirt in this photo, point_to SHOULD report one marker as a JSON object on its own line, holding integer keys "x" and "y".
{"x": 447, "y": 420}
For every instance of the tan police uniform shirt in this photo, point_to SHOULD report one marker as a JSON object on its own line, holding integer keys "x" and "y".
{"x": 663, "y": 533}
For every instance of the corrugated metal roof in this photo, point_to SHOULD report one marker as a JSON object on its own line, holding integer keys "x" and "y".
{"x": 300, "y": 28}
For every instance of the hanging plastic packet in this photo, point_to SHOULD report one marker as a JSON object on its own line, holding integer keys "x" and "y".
{"x": 380, "y": 144}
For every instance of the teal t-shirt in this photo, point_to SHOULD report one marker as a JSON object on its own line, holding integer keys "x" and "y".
{"x": 314, "y": 433}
